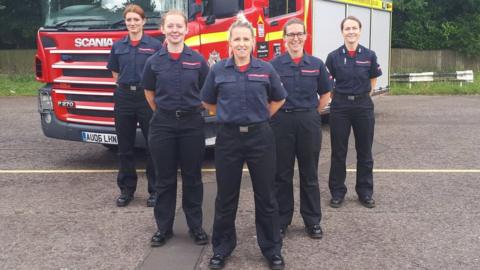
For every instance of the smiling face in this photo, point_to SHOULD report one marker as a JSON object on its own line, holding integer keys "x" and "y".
{"x": 174, "y": 28}
{"x": 241, "y": 42}
{"x": 294, "y": 38}
{"x": 134, "y": 23}
{"x": 351, "y": 32}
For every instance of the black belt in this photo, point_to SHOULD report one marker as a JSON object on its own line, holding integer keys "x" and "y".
{"x": 179, "y": 113}
{"x": 297, "y": 110}
{"x": 129, "y": 87}
{"x": 350, "y": 97}
{"x": 245, "y": 128}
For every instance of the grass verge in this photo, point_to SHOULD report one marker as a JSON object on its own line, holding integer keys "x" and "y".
{"x": 18, "y": 85}
{"x": 437, "y": 88}
{"x": 26, "y": 85}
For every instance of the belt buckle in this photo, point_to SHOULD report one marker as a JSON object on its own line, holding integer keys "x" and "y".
{"x": 178, "y": 114}
{"x": 243, "y": 129}
{"x": 133, "y": 88}
{"x": 352, "y": 98}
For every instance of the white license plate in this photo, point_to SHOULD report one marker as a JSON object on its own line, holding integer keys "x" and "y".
{"x": 103, "y": 138}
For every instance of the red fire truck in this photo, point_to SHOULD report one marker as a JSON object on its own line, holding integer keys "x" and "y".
{"x": 76, "y": 102}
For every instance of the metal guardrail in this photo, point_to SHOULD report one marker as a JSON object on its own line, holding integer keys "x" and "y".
{"x": 465, "y": 76}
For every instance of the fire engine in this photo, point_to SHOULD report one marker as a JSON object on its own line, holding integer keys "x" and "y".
{"x": 76, "y": 102}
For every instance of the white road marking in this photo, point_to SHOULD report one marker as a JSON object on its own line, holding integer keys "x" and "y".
{"x": 245, "y": 170}
{"x": 421, "y": 170}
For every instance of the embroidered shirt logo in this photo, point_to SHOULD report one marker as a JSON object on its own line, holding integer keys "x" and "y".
{"x": 146, "y": 50}
{"x": 310, "y": 70}
{"x": 254, "y": 75}
{"x": 191, "y": 63}
{"x": 363, "y": 62}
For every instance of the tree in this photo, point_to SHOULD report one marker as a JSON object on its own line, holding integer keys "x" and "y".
{"x": 21, "y": 19}
{"x": 437, "y": 24}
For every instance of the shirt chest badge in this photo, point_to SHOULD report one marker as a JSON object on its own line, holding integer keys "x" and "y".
{"x": 310, "y": 72}
{"x": 363, "y": 63}
{"x": 191, "y": 65}
{"x": 258, "y": 77}
{"x": 146, "y": 50}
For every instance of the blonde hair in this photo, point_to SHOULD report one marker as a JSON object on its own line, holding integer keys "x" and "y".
{"x": 241, "y": 22}
{"x": 174, "y": 12}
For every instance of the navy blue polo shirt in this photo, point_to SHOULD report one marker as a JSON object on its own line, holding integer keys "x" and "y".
{"x": 352, "y": 74}
{"x": 242, "y": 97}
{"x": 303, "y": 81}
{"x": 128, "y": 61}
{"x": 176, "y": 83}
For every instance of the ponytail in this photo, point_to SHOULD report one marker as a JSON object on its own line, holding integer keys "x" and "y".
{"x": 241, "y": 21}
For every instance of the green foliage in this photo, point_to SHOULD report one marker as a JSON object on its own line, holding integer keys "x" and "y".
{"x": 437, "y": 24}
{"x": 21, "y": 19}
{"x": 18, "y": 85}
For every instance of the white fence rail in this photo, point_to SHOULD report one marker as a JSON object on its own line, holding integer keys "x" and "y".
{"x": 465, "y": 76}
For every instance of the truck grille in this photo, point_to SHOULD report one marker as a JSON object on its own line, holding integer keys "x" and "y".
{"x": 106, "y": 114}
{"x": 87, "y": 73}
{"x": 85, "y": 80}
{"x": 85, "y": 57}
{"x": 90, "y": 98}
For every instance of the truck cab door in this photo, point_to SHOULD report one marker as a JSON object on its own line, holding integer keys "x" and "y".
{"x": 214, "y": 22}
{"x": 277, "y": 13}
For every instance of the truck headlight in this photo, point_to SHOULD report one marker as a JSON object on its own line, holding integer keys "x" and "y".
{"x": 45, "y": 102}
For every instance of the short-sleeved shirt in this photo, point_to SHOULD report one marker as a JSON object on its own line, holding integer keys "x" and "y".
{"x": 128, "y": 61}
{"x": 242, "y": 97}
{"x": 176, "y": 82}
{"x": 352, "y": 74}
{"x": 303, "y": 82}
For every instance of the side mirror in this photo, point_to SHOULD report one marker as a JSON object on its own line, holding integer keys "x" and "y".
{"x": 266, "y": 12}
{"x": 225, "y": 8}
{"x": 210, "y": 20}
{"x": 193, "y": 10}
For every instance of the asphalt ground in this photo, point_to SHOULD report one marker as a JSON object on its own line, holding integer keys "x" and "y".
{"x": 57, "y": 200}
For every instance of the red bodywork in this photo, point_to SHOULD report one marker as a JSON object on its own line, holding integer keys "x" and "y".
{"x": 81, "y": 86}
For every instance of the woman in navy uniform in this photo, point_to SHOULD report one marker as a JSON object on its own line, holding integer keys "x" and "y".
{"x": 173, "y": 78}
{"x": 127, "y": 60}
{"x": 297, "y": 128}
{"x": 355, "y": 70}
{"x": 244, "y": 92}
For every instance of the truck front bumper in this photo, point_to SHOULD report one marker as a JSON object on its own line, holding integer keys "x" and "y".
{"x": 55, "y": 128}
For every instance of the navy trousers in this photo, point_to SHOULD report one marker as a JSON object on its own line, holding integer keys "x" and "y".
{"x": 356, "y": 115}
{"x": 298, "y": 134}
{"x": 177, "y": 142}
{"x": 254, "y": 145}
{"x": 131, "y": 108}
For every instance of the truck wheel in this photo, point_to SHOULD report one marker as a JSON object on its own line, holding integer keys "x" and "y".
{"x": 111, "y": 147}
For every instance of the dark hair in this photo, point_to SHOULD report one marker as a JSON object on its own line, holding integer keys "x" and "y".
{"x": 293, "y": 21}
{"x": 135, "y": 9}
{"x": 352, "y": 18}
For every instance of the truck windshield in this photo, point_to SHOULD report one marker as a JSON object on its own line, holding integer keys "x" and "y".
{"x": 103, "y": 14}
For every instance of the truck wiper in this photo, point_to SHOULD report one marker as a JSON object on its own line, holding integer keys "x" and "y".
{"x": 62, "y": 23}
{"x": 116, "y": 23}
